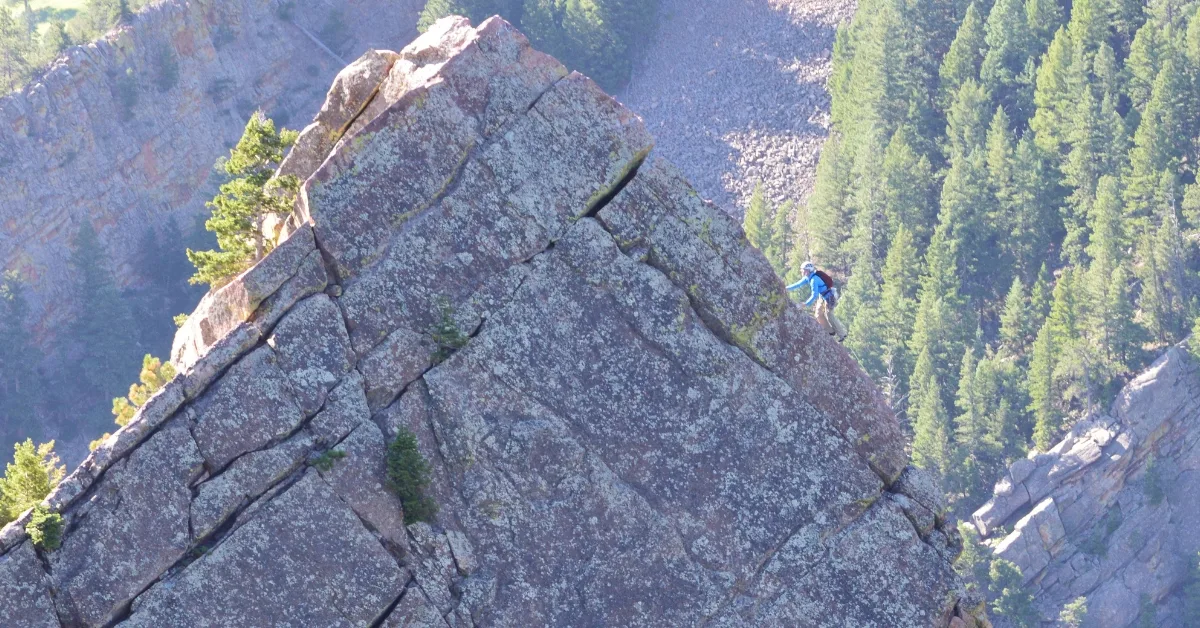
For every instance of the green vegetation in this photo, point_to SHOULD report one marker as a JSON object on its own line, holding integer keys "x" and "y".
{"x": 1074, "y": 613}
{"x": 972, "y": 562}
{"x": 1010, "y": 598}
{"x": 1147, "y": 612}
{"x": 34, "y": 32}
{"x": 408, "y": 477}
{"x": 250, "y": 195}
{"x": 600, "y": 38}
{"x": 324, "y": 462}
{"x": 1010, "y": 189}
{"x": 446, "y": 335}
{"x": 155, "y": 374}
{"x": 28, "y": 479}
{"x": 45, "y": 529}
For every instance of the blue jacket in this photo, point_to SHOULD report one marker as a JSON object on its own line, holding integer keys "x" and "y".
{"x": 814, "y": 282}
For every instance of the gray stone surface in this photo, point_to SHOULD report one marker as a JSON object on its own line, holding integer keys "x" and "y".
{"x": 1093, "y": 530}
{"x": 248, "y": 407}
{"x": 621, "y": 428}
{"x": 132, "y": 529}
{"x": 303, "y": 560}
{"x": 25, "y": 590}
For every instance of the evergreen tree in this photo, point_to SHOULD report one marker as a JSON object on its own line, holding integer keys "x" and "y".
{"x": 1052, "y": 96}
{"x": 1160, "y": 141}
{"x": 967, "y": 121}
{"x": 103, "y": 328}
{"x": 931, "y": 428}
{"x": 898, "y": 313}
{"x": 29, "y": 478}
{"x": 20, "y": 388}
{"x": 1165, "y": 296}
{"x": 16, "y": 60}
{"x": 245, "y": 201}
{"x": 1032, "y": 219}
{"x": 1044, "y": 17}
{"x": 828, "y": 207}
{"x": 1042, "y": 391}
{"x": 1008, "y": 40}
{"x": 906, "y": 194}
{"x": 962, "y": 61}
{"x": 437, "y": 9}
{"x": 1015, "y": 330}
{"x": 780, "y": 249}
{"x": 1011, "y": 600}
{"x": 757, "y": 221}
{"x": 1143, "y": 64}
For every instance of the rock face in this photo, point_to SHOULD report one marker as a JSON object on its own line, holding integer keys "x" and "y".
{"x": 1085, "y": 518}
{"x": 69, "y": 152}
{"x": 627, "y": 421}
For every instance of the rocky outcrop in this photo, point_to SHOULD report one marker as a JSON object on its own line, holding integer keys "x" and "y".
{"x": 1086, "y": 519}
{"x": 627, "y": 421}
{"x": 71, "y": 152}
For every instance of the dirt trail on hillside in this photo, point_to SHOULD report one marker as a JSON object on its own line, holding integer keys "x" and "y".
{"x": 734, "y": 92}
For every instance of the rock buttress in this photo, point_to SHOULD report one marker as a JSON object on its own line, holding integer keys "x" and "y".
{"x": 1084, "y": 523}
{"x": 634, "y": 426}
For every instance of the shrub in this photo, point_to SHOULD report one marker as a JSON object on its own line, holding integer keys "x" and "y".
{"x": 1074, "y": 613}
{"x": 45, "y": 529}
{"x": 324, "y": 462}
{"x": 447, "y": 335}
{"x": 408, "y": 477}
{"x": 29, "y": 478}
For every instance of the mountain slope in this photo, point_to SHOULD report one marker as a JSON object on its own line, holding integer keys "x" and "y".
{"x": 629, "y": 425}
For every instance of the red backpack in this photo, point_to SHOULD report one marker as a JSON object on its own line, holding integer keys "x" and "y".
{"x": 830, "y": 295}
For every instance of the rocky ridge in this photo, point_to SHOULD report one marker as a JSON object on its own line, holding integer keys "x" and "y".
{"x": 69, "y": 152}
{"x": 631, "y": 425}
{"x": 1082, "y": 518}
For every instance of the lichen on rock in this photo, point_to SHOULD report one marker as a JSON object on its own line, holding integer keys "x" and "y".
{"x": 605, "y": 447}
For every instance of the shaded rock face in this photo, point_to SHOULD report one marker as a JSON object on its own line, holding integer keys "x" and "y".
{"x": 1084, "y": 517}
{"x": 69, "y": 153}
{"x": 632, "y": 424}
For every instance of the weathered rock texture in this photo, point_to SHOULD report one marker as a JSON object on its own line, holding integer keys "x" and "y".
{"x": 68, "y": 154}
{"x": 633, "y": 426}
{"x": 1083, "y": 521}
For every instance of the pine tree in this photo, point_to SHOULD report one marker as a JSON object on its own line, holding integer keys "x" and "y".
{"x": 29, "y": 478}
{"x": 20, "y": 388}
{"x": 1160, "y": 141}
{"x": 1165, "y": 296}
{"x": 1052, "y": 96}
{"x": 103, "y": 328}
{"x": 757, "y": 221}
{"x": 1009, "y": 40}
{"x": 898, "y": 312}
{"x": 970, "y": 430}
{"x": 967, "y": 121}
{"x": 962, "y": 61}
{"x": 1011, "y": 600}
{"x": 1032, "y": 219}
{"x": 780, "y": 249}
{"x": 1143, "y": 64}
{"x": 906, "y": 196}
{"x": 1040, "y": 298}
{"x": 1042, "y": 389}
{"x": 1044, "y": 17}
{"x": 437, "y": 9}
{"x": 1014, "y": 322}
{"x": 931, "y": 427}
{"x": 245, "y": 201}
{"x": 15, "y": 54}
{"x": 829, "y": 211}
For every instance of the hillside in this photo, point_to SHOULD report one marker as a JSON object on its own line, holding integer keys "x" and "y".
{"x": 610, "y": 386}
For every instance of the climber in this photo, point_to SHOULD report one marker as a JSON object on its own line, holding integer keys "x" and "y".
{"x": 825, "y": 298}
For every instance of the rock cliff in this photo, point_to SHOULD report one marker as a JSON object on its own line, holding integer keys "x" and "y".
{"x": 628, "y": 422}
{"x": 1086, "y": 519}
{"x": 72, "y": 149}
